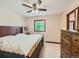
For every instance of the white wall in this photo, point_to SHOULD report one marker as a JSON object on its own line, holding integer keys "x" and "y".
{"x": 72, "y": 6}
{"x": 10, "y": 18}
{"x": 52, "y": 27}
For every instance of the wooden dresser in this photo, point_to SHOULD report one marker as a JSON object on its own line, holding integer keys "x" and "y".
{"x": 69, "y": 44}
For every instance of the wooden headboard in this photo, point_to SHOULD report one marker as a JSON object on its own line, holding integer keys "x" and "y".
{"x": 10, "y": 30}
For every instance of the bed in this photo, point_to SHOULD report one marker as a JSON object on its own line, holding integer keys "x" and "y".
{"x": 15, "y": 44}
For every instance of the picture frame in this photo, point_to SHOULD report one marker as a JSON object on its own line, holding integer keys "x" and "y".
{"x": 39, "y": 26}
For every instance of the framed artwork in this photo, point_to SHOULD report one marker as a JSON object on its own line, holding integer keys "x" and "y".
{"x": 39, "y": 26}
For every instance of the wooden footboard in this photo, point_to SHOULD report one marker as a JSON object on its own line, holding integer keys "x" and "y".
{"x": 35, "y": 51}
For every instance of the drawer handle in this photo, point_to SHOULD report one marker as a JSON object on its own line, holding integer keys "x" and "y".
{"x": 76, "y": 40}
{"x": 66, "y": 53}
{"x": 67, "y": 35}
{"x": 67, "y": 44}
{"x": 76, "y": 52}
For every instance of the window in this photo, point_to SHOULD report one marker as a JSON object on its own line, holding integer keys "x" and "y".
{"x": 39, "y": 25}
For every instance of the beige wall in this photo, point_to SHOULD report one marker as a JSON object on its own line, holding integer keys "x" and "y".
{"x": 10, "y": 18}
{"x": 72, "y": 6}
{"x": 52, "y": 27}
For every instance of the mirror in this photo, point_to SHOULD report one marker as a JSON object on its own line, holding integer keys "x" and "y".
{"x": 73, "y": 20}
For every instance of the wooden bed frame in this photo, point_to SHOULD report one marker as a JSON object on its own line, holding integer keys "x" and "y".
{"x": 13, "y": 30}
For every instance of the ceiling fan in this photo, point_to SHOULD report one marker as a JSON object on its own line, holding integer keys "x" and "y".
{"x": 35, "y": 6}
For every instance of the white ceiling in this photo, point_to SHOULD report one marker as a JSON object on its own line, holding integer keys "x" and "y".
{"x": 52, "y": 6}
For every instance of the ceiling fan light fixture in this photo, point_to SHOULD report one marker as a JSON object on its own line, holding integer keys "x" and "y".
{"x": 37, "y": 5}
{"x": 35, "y": 11}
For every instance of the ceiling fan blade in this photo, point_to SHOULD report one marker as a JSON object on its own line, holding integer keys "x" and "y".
{"x": 29, "y": 11}
{"x": 26, "y": 5}
{"x": 40, "y": 9}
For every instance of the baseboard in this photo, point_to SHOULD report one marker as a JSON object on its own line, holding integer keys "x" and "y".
{"x": 52, "y": 42}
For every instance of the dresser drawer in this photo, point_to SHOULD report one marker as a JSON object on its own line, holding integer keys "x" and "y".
{"x": 65, "y": 54}
{"x": 65, "y": 42}
{"x": 65, "y": 49}
{"x": 75, "y": 40}
{"x": 75, "y": 51}
{"x": 66, "y": 35}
